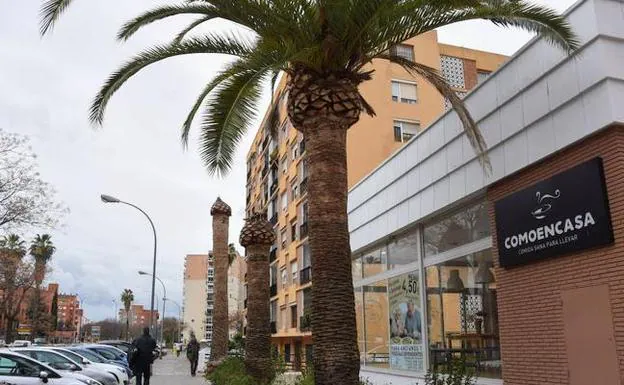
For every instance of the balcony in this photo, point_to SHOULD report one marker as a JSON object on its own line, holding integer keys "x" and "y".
{"x": 273, "y": 255}
{"x": 273, "y": 290}
{"x": 273, "y": 327}
{"x": 303, "y": 186}
{"x": 303, "y": 230}
{"x": 305, "y": 275}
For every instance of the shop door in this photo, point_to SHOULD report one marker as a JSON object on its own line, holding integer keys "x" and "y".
{"x": 298, "y": 356}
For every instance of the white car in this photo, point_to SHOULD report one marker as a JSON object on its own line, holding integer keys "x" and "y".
{"x": 17, "y": 369}
{"x": 92, "y": 360}
{"x": 66, "y": 365}
{"x": 19, "y": 344}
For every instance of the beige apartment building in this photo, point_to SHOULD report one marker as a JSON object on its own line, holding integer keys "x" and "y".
{"x": 277, "y": 171}
{"x": 237, "y": 294}
{"x": 198, "y": 296}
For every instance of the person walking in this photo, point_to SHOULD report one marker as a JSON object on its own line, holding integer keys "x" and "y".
{"x": 192, "y": 353}
{"x": 142, "y": 357}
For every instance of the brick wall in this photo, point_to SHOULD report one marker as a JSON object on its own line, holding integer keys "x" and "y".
{"x": 470, "y": 73}
{"x": 529, "y": 297}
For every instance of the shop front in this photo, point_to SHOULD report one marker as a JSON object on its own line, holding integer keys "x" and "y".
{"x": 517, "y": 272}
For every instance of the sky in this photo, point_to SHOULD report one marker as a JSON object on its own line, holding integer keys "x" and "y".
{"x": 46, "y": 85}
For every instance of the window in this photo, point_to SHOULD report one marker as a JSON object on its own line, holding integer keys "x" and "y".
{"x": 482, "y": 75}
{"x": 284, "y": 164}
{"x": 376, "y": 327}
{"x": 294, "y": 151}
{"x": 404, "y": 92}
{"x": 403, "y": 50}
{"x": 293, "y": 316}
{"x": 404, "y": 131}
{"x": 465, "y": 226}
{"x": 273, "y": 311}
{"x": 284, "y": 200}
{"x": 284, "y": 238}
{"x": 356, "y": 268}
{"x": 403, "y": 249}
{"x": 306, "y": 256}
{"x": 287, "y": 353}
{"x": 304, "y": 212}
{"x": 284, "y": 275}
{"x": 294, "y": 271}
{"x": 294, "y": 190}
{"x": 374, "y": 262}
{"x": 273, "y": 274}
{"x": 461, "y": 298}
{"x": 293, "y": 231}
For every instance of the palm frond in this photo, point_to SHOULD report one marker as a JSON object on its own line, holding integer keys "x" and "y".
{"x": 162, "y": 12}
{"x": 216, "y": 44}
{"x": 432, "y": 76}
{"x": 50, "y": 12}
{"x": 180, "y": 36}
{"x": 228, "y": 116}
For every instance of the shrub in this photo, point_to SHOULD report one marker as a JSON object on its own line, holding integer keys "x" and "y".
{"x": 455, "y": 373}
{"x": 230, "y": 372}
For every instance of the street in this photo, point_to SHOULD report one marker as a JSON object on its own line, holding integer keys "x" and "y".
{"x": 172, "y": 370}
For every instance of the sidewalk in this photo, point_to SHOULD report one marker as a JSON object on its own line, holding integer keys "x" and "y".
{"x": 174, "y": 371}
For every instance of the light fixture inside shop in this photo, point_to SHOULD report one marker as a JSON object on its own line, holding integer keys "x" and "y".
{"x": 454, "y": 282}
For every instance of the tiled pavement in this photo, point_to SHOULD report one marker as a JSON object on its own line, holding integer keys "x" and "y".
{"x": 172, "y": 370}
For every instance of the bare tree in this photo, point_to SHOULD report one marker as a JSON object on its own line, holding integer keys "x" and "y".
{"x": 25, "y": 199}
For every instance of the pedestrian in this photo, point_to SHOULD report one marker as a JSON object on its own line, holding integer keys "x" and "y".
{"x": 192, "y": 353}
{"x": 142, "y": 357}
{"x": 178, "y": 347}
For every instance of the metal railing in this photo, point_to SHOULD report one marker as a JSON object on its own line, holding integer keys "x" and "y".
{"x": 305, "y": 275}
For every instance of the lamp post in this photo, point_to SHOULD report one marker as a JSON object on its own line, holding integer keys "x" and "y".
{"x": 111, "y": 199}
{"x": 179, "y": 315}
{"x": 164, "y": 299}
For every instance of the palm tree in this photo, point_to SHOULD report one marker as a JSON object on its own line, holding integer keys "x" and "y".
{"x": 42, "y": 250}
{"x": 127, "y": 297}
{"x": 325, "y": 49}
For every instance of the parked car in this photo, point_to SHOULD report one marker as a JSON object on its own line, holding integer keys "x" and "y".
{"x": 2, "y": 343}
{"x": 20, "y": 344}
{"x": 92, "y": 359}
{"x": 121, "y": 345}
{"x": 65, "y": 364}
{"x": 17, "y": 369}
{"x": 112, "y": 354}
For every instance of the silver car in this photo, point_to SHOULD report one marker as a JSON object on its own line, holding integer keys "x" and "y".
{"x": 64, "y": 363}
{"x": 17, "y": 369}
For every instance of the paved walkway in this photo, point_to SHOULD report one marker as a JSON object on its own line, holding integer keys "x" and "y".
{"x": 174, "y": 371}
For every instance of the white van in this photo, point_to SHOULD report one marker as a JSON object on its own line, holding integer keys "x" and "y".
{"x": 20, "y": 344}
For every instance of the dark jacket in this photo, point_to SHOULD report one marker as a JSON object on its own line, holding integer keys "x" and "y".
{"x": 192, "y": 350}
{"x": 144, "y": 355}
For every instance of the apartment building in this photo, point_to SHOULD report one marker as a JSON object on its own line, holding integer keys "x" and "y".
{"x": 236, "y": 293}
{"x": 277, "y": 170}
{"x": 198, "y": 293}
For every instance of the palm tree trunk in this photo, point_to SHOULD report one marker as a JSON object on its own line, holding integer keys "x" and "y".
{"x": 336, "y": 357}
{"x": 127, "y": 325}
{"x": 258, "y": 336}
{"x": 219, "y": 349}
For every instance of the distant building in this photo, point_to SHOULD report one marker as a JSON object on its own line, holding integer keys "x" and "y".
{"x": 139, "y": 316}
{"x": 198, "y": 292}
{"x": 237, "y": 293}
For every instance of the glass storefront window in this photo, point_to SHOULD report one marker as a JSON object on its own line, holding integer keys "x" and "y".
{"x": 406, "y": 349}
{"x": 462, "y": 314}
{"x": 403, "y": 250}
{"x": 359, "y": 321}
{"x": 460, "y": 228}
{"x": 356, "y": 268}
{"x": 374, "y": 262}
{"x": 376, "y": 326}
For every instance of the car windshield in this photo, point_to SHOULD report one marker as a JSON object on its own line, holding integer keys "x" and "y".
{"x": 104, "y": 353}
{"x": 18, "y": 366}
{"x": 71, "y": 355}
{"x": 89, "y": 355}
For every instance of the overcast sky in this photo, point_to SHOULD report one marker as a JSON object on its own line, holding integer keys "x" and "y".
{"x": 45, "y": 89}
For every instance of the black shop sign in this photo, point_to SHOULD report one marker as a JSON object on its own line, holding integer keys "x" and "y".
{"x": 565, "y": 213}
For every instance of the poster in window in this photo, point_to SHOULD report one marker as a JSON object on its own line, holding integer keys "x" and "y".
{"x": 406, "y": 352}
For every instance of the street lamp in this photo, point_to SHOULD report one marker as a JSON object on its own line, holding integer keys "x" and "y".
{"x": 110, "y": 199}
{"x": 179, "y": 315}
{"x": 162, "y": 328}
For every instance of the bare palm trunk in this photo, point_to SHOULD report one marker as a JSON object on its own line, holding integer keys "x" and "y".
{"x": 258, "y": 336}
{"x": 220, "y": 225}
{"x": 127, "y": 326}
{"x": 336, "y": 357}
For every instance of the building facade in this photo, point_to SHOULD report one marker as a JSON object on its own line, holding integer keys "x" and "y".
{"x": 237, "y": 293}
{"x": 518, "y": 269}
{"x": 277, "y": 170}
{"x": 198, "y": 296}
